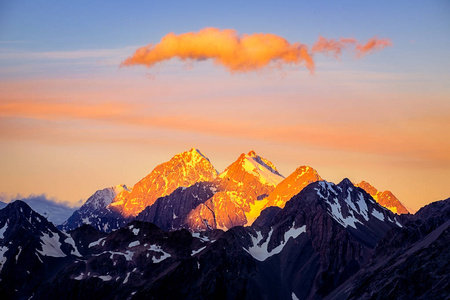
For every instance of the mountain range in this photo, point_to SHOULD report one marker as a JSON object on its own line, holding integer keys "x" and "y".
{"x": 328, "y": 242}
{"x": 188, "y": 192}
{"x": 245, "y": 233}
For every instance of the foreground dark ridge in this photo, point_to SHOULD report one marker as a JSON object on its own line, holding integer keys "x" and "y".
{"x": 330, "y": 241}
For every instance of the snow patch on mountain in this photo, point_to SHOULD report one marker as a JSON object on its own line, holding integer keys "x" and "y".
{"x": 163, "y": 254}
{"x": 3, "y": 230}
{"x": 260, "y": 251}
{"x": 335, "y": 211}
{"x": 194, "y": 252}
{"x": 134, "y": 244}
{"x": 96, "y": 243}
{"x": 51, "y": 245}
{"x": 69, "y": 240}
{"x": 265, "y": 173}
{"x": 105, "y": 277}
{"x": 3, "y": 250}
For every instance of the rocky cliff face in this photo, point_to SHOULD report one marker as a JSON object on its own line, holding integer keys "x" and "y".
{"x": 170, "y": 212}
{"x": 242, "y": 191}
{"x": 183, "y": 170}
{"x": 386, "y": 198}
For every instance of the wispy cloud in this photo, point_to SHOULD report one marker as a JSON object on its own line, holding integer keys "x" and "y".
{"x": 364, "y": 137}
{"x": 42, "y": 198}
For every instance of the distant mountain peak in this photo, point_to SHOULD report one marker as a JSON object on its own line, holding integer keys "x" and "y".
{"x": 385, "y": 199}
{"x": 259, "y": 167}
{"x": 242, "y": 190}
{"x": 252, "y": 153}
{"x": 195, "y": 151}
{"x": 268, "y": 164}
{"x": 121, "y": 187}
{"x": 345, "y": 183}
{"x": 349, "y": 206}
{"x": 292, "y": 185}
{"x": 182, "y": 170}
{"x": 97, "y": 212}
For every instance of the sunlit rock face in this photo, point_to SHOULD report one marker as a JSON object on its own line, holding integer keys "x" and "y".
{"x": 183, "y": 170}
{"x": 385, "y": 199}
{"x": 243, "y": 189}
{"x": 292, "y": 185}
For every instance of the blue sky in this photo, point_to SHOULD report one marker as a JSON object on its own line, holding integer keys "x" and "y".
{"x": 63, "y": 57}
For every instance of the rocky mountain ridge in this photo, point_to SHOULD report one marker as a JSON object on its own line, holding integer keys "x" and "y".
{"x": 328, "y": 241}
{"x": 234, "y": 197}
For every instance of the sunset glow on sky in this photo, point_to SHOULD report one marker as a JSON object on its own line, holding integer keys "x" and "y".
{"x": 95, "y": 94}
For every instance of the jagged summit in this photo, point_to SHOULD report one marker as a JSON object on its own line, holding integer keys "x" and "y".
{"x": 182, "y": 170}
{"x": 292, "y": 185}
{"x": 345, "y": 183}
{"x": 195, "y": 151}
{"x": 255, "y": 165}
{"x": 385, "y": 199}
{"x": 242, "y": 191}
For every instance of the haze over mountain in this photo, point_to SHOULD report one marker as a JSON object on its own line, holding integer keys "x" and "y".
{"x": 55, "y": 212}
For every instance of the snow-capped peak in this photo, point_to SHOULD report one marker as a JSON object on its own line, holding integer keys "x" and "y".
{"x": 349, "y": 206}
{"x": 262, "y": 168}
{"x": 102, "y": 198}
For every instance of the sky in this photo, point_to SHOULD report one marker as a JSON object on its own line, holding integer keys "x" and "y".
{"x": 75, "y": 118}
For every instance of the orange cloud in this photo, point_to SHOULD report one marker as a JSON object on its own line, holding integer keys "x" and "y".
{"x": 243, "y": 53}
{"x": 324, "y": 45}
{"x": 238, "y": 53}
{"x": 374, "y": 44}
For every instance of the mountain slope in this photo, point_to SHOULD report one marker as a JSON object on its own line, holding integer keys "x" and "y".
{"x": 170, "y": 212}
{"x": 182, "y": 170}
{"x": 329, "y": 240}
{"x": 321, "y": 238}
{"x": 242, "y": 189}
{"x": 411, "y": 262}
{"x": 29, "y": 249}
{"x": 96, "y": 212}
{"x": 386, "y": 198}
{"x": 122, "y": 262}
